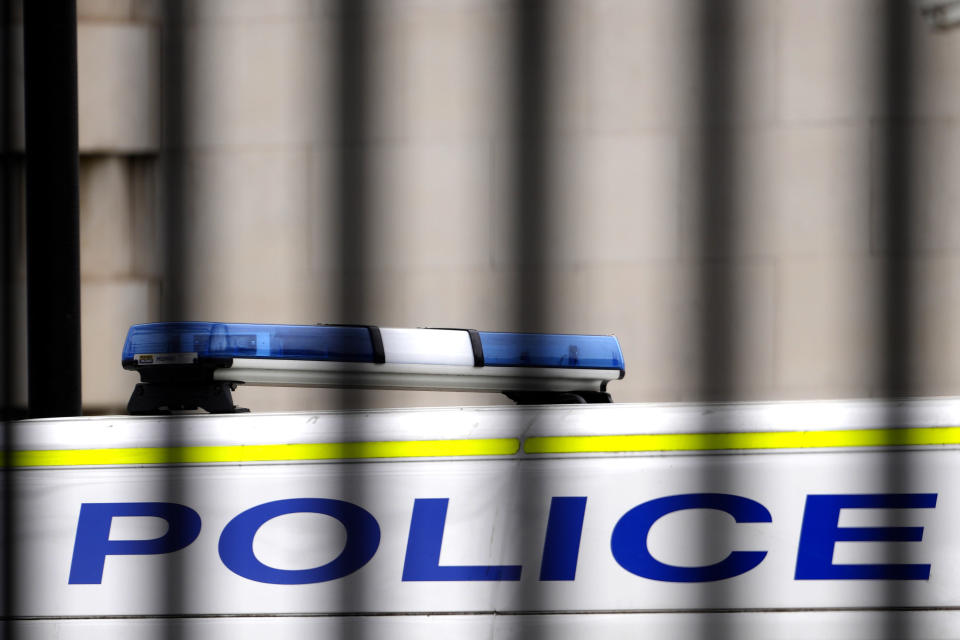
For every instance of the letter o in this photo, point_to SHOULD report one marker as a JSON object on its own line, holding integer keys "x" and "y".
{"x": 236, "y": 541}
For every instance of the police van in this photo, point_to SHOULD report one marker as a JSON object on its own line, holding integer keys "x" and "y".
{"x": 565, "y": 516}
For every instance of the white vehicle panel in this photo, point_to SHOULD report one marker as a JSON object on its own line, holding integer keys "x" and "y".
{"x": 488, "y": 510}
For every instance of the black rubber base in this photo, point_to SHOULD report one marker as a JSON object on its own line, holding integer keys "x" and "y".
{"x": 558, "y": 397}
{"x": 165, "y": 398}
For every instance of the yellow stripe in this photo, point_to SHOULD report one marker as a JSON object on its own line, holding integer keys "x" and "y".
{"x": 266, "y": 453}
{"x": 917, "y": 436}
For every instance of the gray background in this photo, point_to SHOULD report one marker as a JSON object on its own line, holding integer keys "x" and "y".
{"x": 259, "y": 159}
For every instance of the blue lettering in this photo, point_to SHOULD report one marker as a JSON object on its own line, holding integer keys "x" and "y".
{"x": 236, "y": 541}
{"x": 422, "y": 562}
{"x": 820, "y": 533}
{"x": 93, "y": 543}
{"x": 561, "y": 545}
{"x": 629, "y": 540}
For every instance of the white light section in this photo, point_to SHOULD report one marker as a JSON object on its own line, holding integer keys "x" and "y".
{"x": 427, "y": 346}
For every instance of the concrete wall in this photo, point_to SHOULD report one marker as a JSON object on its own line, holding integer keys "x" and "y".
{"x": 260, "y": 184}
{"x": 119, "y": 90}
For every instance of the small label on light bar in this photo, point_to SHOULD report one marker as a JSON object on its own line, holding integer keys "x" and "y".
{"x": 165, "y": 358}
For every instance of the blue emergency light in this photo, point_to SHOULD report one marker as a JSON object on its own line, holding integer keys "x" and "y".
{"x": 187, "y": 365}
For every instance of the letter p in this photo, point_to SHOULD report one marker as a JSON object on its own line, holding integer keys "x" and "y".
{"x": 93, "y": 543}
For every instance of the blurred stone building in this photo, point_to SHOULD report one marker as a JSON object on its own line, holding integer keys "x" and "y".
{"x": 260, "y": 154}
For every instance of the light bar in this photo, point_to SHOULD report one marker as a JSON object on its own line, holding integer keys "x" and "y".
{"x": 546, "y": 350}
{"x": 222, "y": 340}
{"x": 517, "y": 364}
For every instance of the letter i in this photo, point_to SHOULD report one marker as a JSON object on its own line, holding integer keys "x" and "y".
{"x": 561, "y": 545}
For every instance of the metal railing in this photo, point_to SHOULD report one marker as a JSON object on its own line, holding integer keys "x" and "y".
{"x": 532, "y": 38}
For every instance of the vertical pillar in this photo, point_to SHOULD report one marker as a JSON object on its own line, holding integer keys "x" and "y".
{"x": 53, "y": 227}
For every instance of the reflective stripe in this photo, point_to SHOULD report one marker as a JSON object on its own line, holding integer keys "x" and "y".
{"x": 913, "y": 436}
{"x": 267, "y": 453}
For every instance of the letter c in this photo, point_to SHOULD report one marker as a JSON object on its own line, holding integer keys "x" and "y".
{"x": 629, "y": 540}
